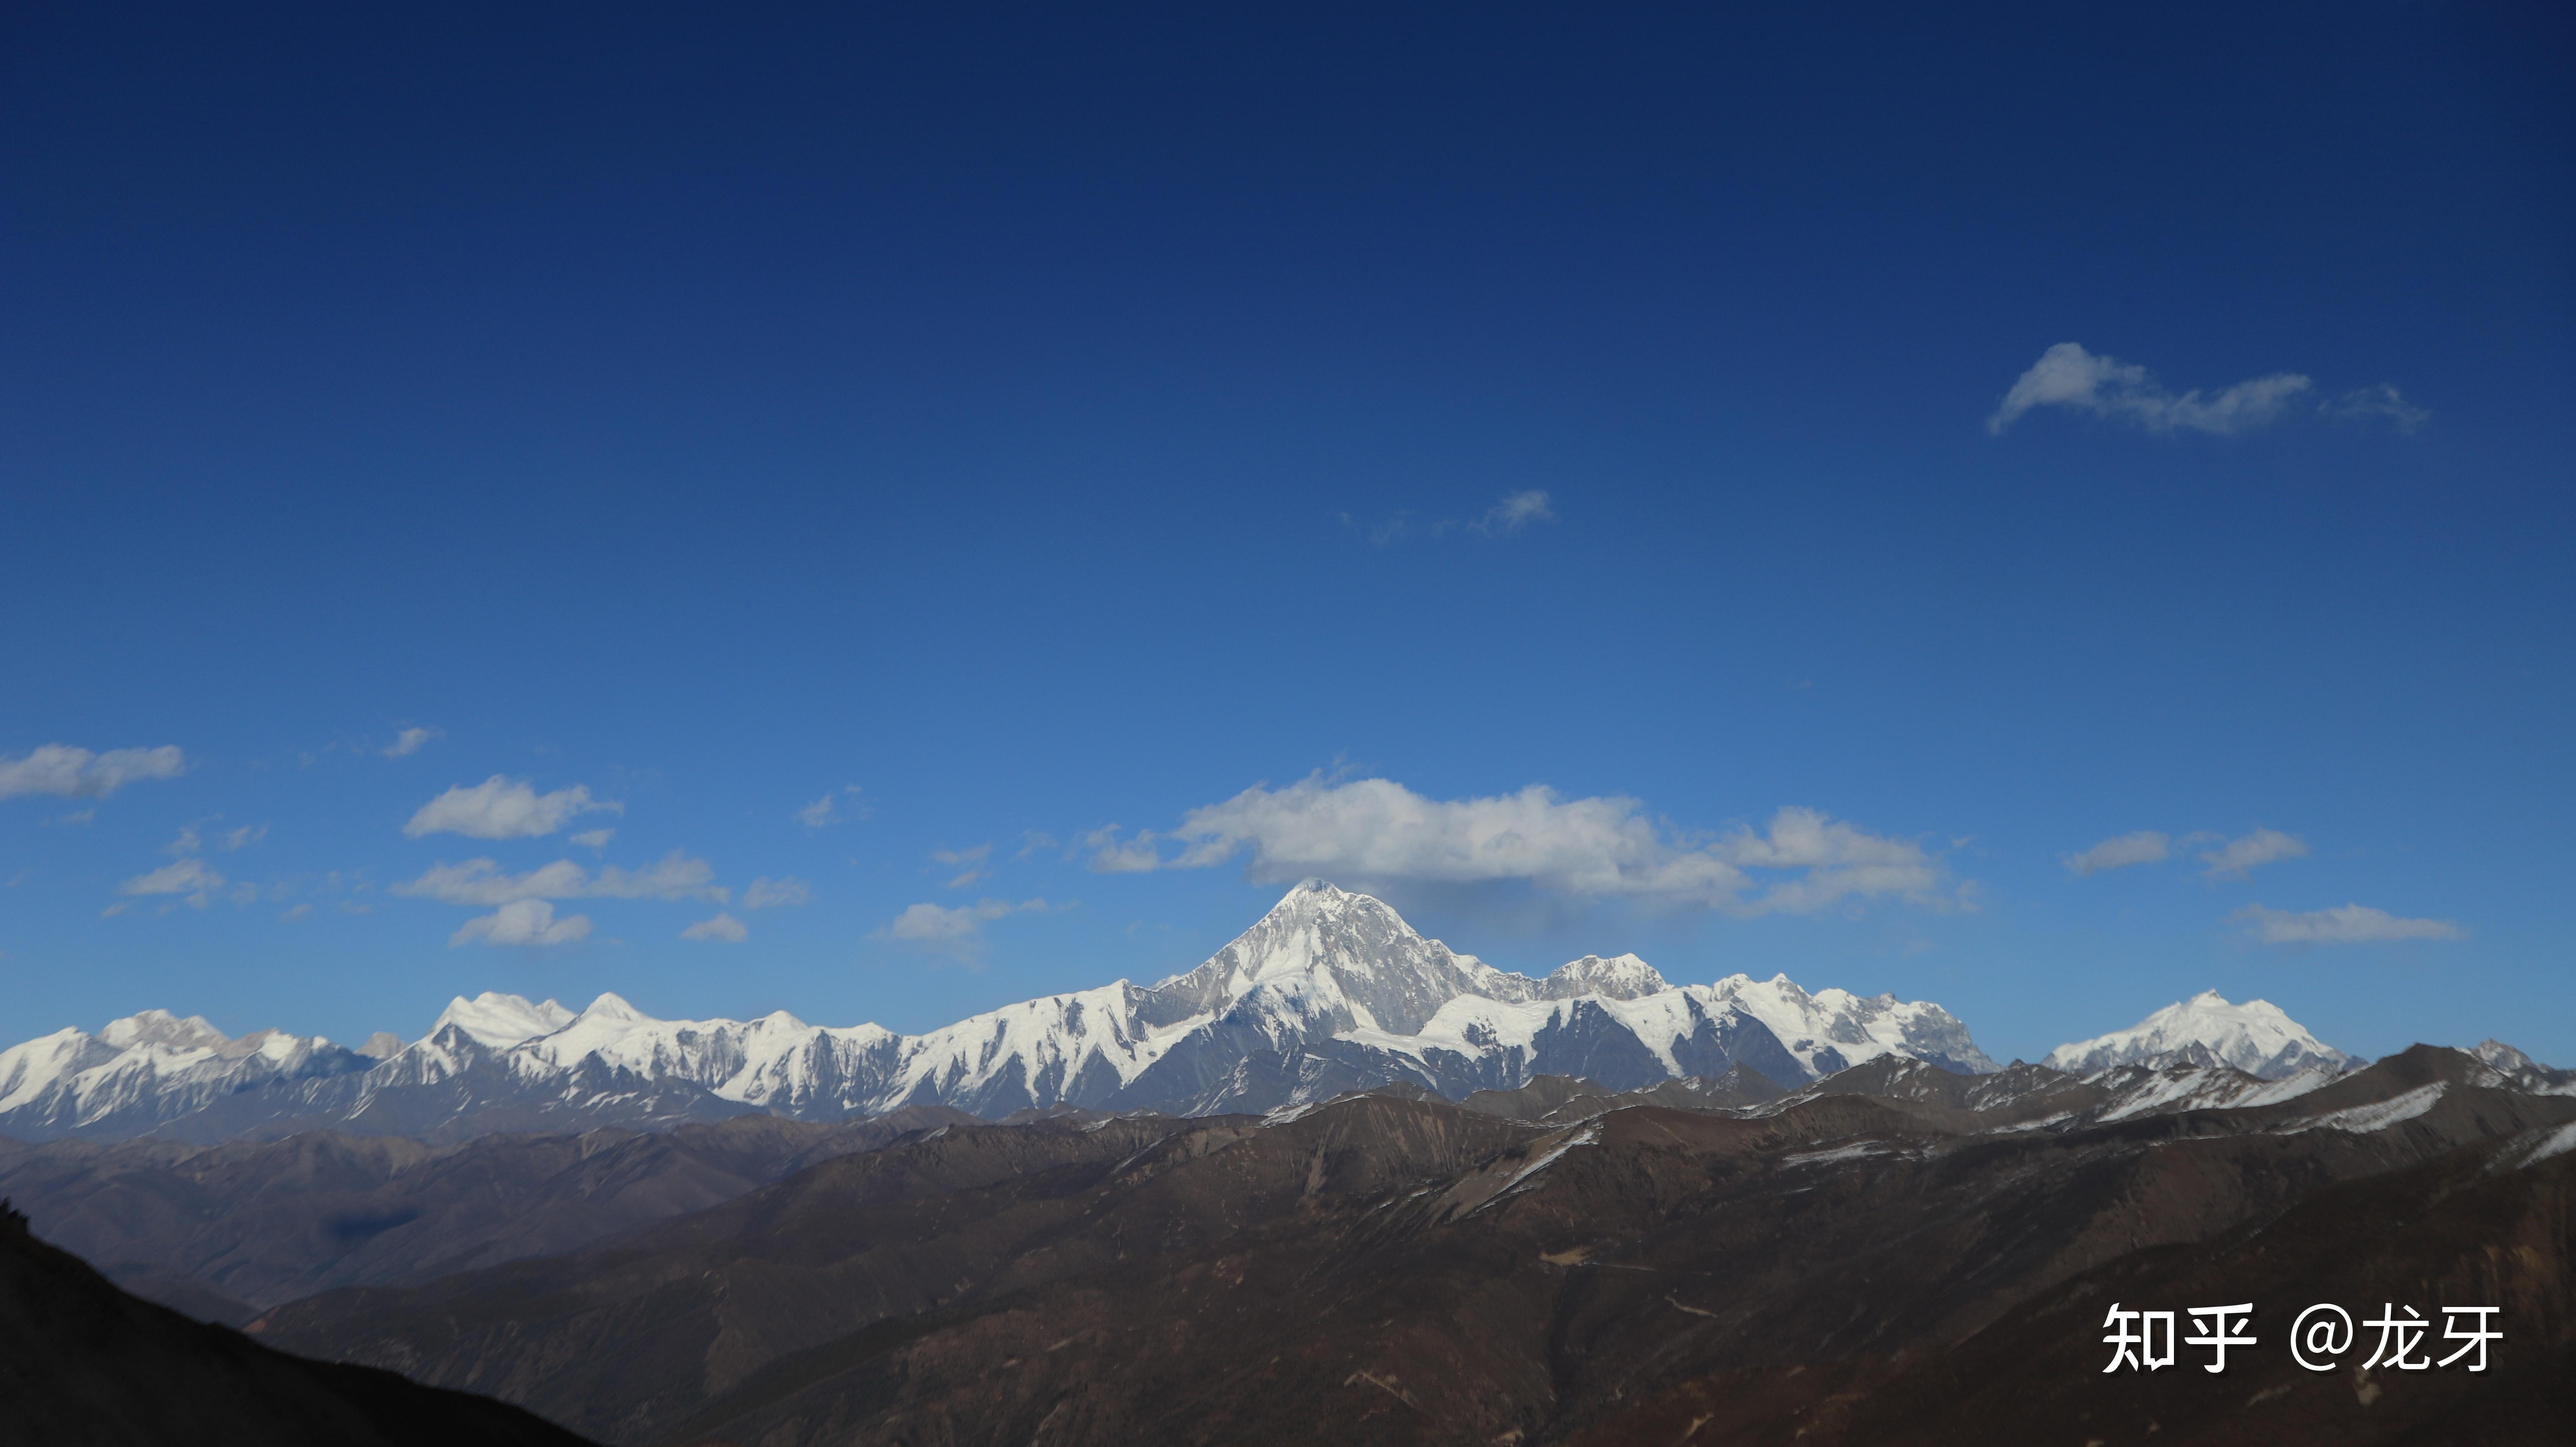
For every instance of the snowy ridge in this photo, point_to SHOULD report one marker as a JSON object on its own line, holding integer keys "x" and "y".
{"x": 1329, "y": 991}
{"x": 2206, "y": 1030}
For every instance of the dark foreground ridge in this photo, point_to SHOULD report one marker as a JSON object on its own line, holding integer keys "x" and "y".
{"x": 83, "y": 1363}
{"x": 1907, "y": 1258}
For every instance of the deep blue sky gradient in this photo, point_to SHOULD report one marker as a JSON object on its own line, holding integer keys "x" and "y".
{"x": 994, "y": 409}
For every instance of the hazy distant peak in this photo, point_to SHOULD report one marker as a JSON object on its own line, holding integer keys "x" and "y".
{"x": 160, "y": 1027}
{"x": 501, "y": 1021}
{"x": 1621, "y": 977}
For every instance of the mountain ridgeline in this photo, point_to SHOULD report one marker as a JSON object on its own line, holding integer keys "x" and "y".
{"x": 1330, "y": 992}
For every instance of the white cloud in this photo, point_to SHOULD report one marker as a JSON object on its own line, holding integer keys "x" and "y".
{"x": 242, "y": 838}
{"x": 2068, "y": 376}
{"x": 773, "y": 893}
{"x": 484, "y": 882}
{"x": 78, "y": 773}
{"x": 2349, "y": 924}
{"x": 1111, "y": 855}
{"x": 827, "y": 810}
{"x": 1516, "y": 510}
{"x": 2238, "y": 856}
{"x": 723, "y": 927}
{"x": 2364, "y": 403}
{"x": 292, "y": 913}
{"x": 522, "y": 922}
{"x": 2147, "y": 846}
{"x": 1376, "y": 831}
{"x": 594, "y": 840}
{"x": 956, "y": 932}
{"x": 970, "y": 863}
{"x": 408, "y": 742}
{"x": 504, "y": 808}
{"x": 189, "y": 877}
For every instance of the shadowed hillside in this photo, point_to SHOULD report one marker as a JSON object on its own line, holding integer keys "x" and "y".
{"x": 83, "y": 1363}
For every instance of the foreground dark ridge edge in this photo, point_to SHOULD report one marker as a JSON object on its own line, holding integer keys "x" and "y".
{"x": 84, "y": 1363}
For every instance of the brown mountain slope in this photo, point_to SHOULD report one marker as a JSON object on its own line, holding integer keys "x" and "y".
{"x": 2480, "y": 1226}
{"x": 1377, "y": 1270}
{"x": 84, "y": 1363}
{"x": 221, "y": 1232}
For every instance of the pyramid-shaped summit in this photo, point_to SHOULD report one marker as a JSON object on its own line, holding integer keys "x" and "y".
{"x": 1330, "y": 991}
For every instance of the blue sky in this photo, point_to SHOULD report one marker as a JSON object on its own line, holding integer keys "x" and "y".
{"x": 1851, "y": 461}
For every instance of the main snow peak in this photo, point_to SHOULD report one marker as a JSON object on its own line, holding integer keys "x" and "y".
{"x": 2256, "y": 1037}
{"x": 1329, "y": 991}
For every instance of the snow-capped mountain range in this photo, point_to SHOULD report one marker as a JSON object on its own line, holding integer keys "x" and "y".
{"x": 1330, "y": 991}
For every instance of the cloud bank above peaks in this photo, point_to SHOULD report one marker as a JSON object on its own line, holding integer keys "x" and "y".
{"x": 2147, "y": 846}
{"x": 504, "y": 808}
{"x": 2068, "y": 376}
{"x": 2233, "y": 858}
{"x": 2345, "y": 924}
{"x": 69, "y": 772}
{"x": 522, "y": 922}
{"x": 957, "y": 933}
{"x": 485, "y": 882}
{"x": 1376, "y": 832}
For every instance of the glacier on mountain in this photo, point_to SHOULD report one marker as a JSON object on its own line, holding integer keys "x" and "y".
{"x": 1330, "y": 991}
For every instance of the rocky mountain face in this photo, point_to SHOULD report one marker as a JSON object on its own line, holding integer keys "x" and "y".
{"x": 1329, "y": 992}
{"x": 1897, "y": 1253}
{"x": 82, "y": 1362}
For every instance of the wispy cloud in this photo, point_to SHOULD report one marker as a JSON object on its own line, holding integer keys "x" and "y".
{"x": 2068, "y": 376}
{"x": 1112, "y": 855}
{"x": 70, "y": 772}
{"x": 1513, "y": 513}
{"x": 957, "y": 933}
{"x": 594, "y": 840}
{"x": 1516, "y": 511}
{"x": 2238, "y": 857}
{"x": 776, "y": 893}
{"x": 723, "y": 927}
{"x": 828, "y": 809}
{"x": 522, "y": 922}
{"x": 970, "y": 863}
{"x": 189, "y": 877}
{"x": 2147, "y": 846}
{"x": 2348, "y": 924}
{"x": 408, "y": 742}
{"x": 485, "y": 882}
{"x": 1376, "y": 831}
{"x": 504, "y": 808}
{"x": 2364, "y": 403}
